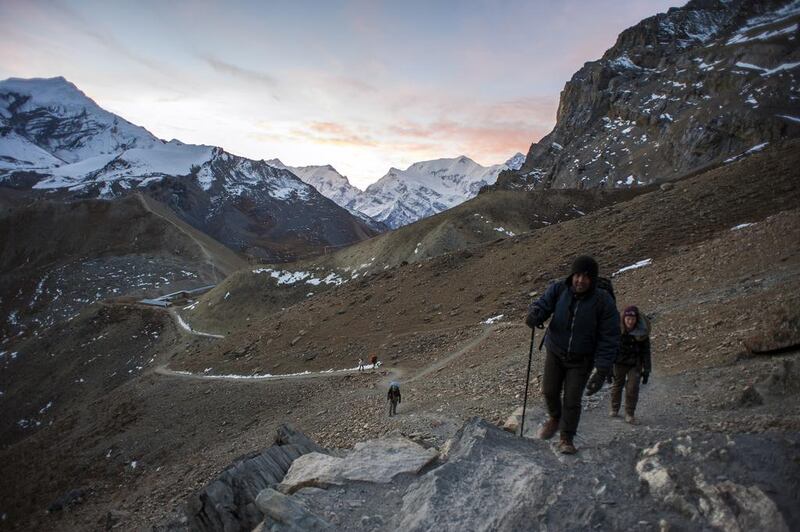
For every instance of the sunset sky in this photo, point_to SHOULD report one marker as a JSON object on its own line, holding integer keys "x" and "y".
{"x": 361, "y": 85}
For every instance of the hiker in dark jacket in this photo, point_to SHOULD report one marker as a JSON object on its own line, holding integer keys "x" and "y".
{"x": 393, "y": 397}
{"x": 583, "y": 333}
{"x": 633, "y": 362}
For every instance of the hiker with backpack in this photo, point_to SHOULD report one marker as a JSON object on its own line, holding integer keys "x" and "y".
{"x": 583, "y": 333}
{"x": 393, "y": 397}
{"x": 633, "y": 362}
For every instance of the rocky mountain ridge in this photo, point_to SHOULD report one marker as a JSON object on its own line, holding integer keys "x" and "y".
{"x": 56, "y": 142}
{"x": 680, "y": 91}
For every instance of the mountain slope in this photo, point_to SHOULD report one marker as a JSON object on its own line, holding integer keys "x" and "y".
{"x": 55, "y": 141}
{"x": 137, "y": 436}
{"x": 677, "y": 92}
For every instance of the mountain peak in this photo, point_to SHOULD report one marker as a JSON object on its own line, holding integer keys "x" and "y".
{"x": 51, "y": 92}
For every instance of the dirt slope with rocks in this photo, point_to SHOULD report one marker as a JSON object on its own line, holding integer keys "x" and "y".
{"x": 143, "y": 444}
{"x": 481, "y": 220}
{"x": 58, "y": 257}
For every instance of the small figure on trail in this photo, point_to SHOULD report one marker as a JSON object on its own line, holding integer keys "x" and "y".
{"x": 374, "y": 361}
{"x": 633, "y": 362}
{"x": 583, "y": 332}
{"x": 393, "y": 397}
{"x": 360, "y": 364}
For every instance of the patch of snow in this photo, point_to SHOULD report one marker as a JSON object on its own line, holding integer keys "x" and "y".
{"x": 290, "y": 278}
{"x": 741, "y": 226}
{"x": 791, "y": 118}
{"x": 227, "y": 295}
{"x": 741, "y": 36}
{"x": 504, "y": 231}
{"x": 630, "y": 180}
{"x": 624, "y": 62}
{"x": 493, "y": 319}
{"x": 640, "y": 264}
{"x": 786, "y": 12}
{"x": 188, "y": 328}
{"x": 768, "y": 71}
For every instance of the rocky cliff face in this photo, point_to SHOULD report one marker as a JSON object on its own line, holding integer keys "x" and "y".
{"x": 677, "y": 92}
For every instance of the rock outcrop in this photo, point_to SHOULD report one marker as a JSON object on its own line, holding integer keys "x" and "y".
{"x": 229, "y": 502}
{"x": 678, "y": 92}
{"x": 488, "y": 479}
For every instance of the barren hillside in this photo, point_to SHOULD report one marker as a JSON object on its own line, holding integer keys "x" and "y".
{"x": 137, "y": 412}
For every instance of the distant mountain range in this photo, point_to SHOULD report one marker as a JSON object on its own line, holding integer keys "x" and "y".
{"x": 679, "y": 91}
{"x": 56, "y": 141}
{"x": 405, "y": 196}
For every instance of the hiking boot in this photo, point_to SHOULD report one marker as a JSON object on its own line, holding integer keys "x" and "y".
{"x": 548, "y": 429}
{"x": 630, "y": 419}
{"x": 565, "y": 446}
{"x": 613, "y": 413}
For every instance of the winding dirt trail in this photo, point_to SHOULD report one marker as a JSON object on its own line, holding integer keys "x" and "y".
{"x": 393, "y": 374}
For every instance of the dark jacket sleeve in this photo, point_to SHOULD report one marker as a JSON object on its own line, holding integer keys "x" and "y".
{"x": 608, "y": 335}
{"x": 546, "y": 304}
{"x": 648, "y": 365}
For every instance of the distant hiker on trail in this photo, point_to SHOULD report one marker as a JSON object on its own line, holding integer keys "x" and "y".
{"x": 374, "y": 361}
{"x": 633, "y": 362}
{"x": 583, "y": 332}
{"x": 393, "y": 397}
{"x": 360, "y": 364}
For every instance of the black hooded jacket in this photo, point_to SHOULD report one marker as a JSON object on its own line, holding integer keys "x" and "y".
{"x": 582, "y": 325}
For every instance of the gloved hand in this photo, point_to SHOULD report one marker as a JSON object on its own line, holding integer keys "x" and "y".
{"x": 645, "y": 377}
{"x": 596, "y": 381}
{"x": 534, "y": 319}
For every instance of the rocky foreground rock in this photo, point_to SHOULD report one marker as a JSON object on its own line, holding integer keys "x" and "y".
{"x": 486, "y": 478}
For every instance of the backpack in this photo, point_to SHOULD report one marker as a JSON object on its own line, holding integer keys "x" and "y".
{"x": 605, "y": 284}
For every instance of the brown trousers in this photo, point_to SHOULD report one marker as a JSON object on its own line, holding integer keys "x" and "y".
{"x": 629, "y": 378}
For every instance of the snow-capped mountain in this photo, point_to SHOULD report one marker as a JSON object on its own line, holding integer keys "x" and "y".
{"x": 54, "y": 139}
{"x": 427, "y": 188}
{"x": 326, "y": 180}
{"x": 49, "y": 122}
{"x": 333, "y": 186}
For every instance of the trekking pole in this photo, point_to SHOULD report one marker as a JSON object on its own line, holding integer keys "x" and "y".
{"x": 527, "y": 380}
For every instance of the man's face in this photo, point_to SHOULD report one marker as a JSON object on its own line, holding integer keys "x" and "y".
{"x": 581, "y": 282}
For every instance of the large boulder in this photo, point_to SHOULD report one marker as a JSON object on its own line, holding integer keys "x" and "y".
{"x": 491, "y": 481}
{"x": 377, "y": 461}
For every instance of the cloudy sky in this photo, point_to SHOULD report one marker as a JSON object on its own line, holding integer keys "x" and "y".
{"x": 362, "y": 85}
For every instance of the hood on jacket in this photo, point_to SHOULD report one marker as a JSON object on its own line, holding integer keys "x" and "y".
{"x": 584, "y": 264}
